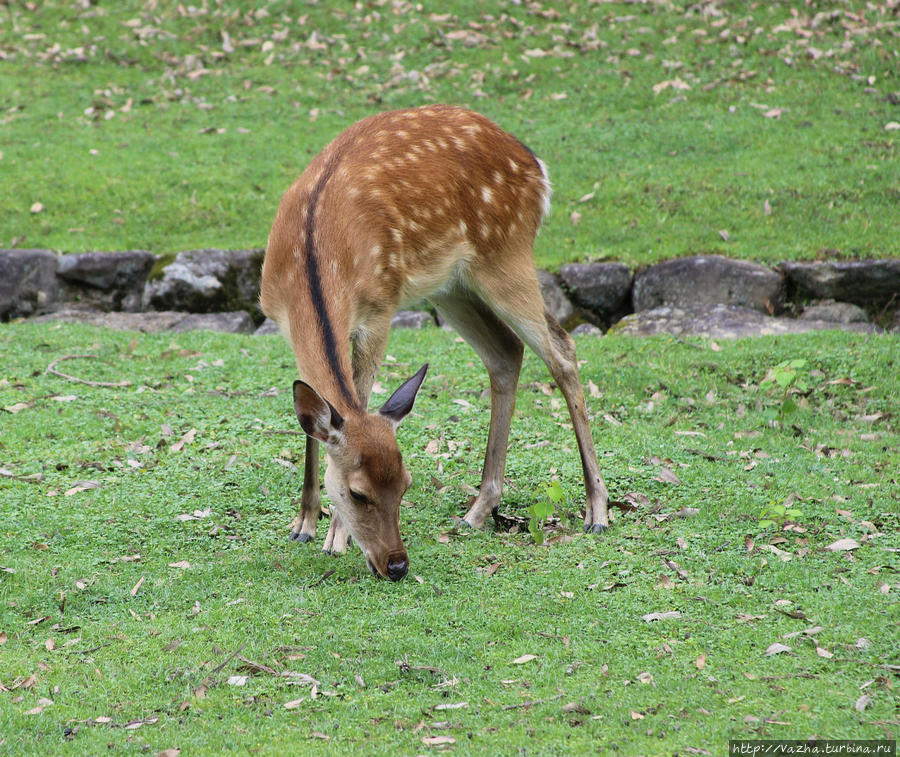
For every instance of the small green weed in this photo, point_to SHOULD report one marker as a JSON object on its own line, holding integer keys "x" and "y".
{"x": 776, "y": 515}
{"x": 789, "y": 375}
{"x": 550, "y": 496}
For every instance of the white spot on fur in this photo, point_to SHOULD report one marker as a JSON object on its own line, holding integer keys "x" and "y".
{"x": 463, "y": 228}
{"x": 513, "y": 165}
{"x": 485, "y": 231}
{"x": 397, "y": 236}
{"x": 487, "y": 194}
{"x": 375, "y": 251}
{"x": 546, "y": 189}
{"x": 498, "y": 178}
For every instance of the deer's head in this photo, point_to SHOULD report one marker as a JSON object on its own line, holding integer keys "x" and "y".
{"x": 365, "y": 477}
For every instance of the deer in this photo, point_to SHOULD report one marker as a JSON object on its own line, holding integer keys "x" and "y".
{"x": 436, "y": 204}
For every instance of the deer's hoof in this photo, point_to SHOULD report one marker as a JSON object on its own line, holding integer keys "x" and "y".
{"x": 300, "y": 536}
{"x": 596, "y": 528}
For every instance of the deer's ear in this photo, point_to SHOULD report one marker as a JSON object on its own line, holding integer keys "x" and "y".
{"x": 402, "y": 401}
{"x": 317, "y": 416}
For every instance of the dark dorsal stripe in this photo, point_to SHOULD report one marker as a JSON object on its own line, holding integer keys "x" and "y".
{"x": 315, "y": 286}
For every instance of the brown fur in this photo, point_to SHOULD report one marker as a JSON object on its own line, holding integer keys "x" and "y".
{"x": 434, "y": 202}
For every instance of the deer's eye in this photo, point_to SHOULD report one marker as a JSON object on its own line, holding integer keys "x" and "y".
{"x": 359, "y": 498}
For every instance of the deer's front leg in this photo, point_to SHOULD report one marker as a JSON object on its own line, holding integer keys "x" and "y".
{"x": 304, "y": 526}
{"x": 338, "y": 536}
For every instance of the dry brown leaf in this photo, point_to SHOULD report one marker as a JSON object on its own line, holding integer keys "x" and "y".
{"x": 701, "y": 662}
{"x": 42, "y": 704}
{"x": 524, "y": 658}
{"x": 843, "y": 545}
{"x": 864, "y": 701}
{"x": 186, "y": 439}
{"x": 183, "y": 564}
{"x": 437, "y": 740}
{"x": 666, "y": 475}
{"x": 670, "y": 615}
{"x": 82, "y": 486}
{"x": 777, "y": 648}
{"x": 134, "y": 589}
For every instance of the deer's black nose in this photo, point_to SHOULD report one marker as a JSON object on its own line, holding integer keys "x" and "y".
{"x": 397, "y": 568}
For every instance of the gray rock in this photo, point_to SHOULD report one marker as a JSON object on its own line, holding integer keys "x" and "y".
{"x": 708, "y": 280}
{"x": 600, "y": 288}
{"x": 723, "y": 322}
{"x": 586, "y": 329}
{"x": 104, "y": 280}
{"x": 837, "y": 312}
{"x": 27, "y": 282}
{"x": 859, "y": 281}
{"x": 555, "y": 300}
{"x": 411, "y": 319}
{"x": 267, "y": 327}
{"x": 207, "y": 281}
{"x": 156, "y": 321}
{"x": 235, "y": 322}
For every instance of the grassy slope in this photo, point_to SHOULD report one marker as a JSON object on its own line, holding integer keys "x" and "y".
{"x": 70, "y": 615}
{"x": 193, "y": 146}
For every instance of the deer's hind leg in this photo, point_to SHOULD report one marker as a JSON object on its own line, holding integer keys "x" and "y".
{"x": 515, "y": 296}
{"x": 501, "y": 351}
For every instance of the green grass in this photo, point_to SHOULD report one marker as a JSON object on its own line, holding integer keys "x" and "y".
{"x": 148, "y": 649}
{"x": 136, "y": 126}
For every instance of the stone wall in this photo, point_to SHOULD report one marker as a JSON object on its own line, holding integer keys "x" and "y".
{"x": 704, "y": 294}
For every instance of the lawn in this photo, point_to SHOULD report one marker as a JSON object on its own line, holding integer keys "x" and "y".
{"x": 150, "y": 599}
{"x": 765, "y": 131}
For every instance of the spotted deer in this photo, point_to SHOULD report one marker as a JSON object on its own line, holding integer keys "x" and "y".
{"x": 434, "y": 203}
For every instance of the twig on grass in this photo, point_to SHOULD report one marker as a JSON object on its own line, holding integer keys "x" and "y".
{"x": 531, "y": 703}
{"x": 52, "y": 369}
{"x": 227, "y": 659}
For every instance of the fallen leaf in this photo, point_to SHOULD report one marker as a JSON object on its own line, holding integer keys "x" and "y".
{"x": 675, "y": 83}
{"x": 668, "y": 476}
{"x": 294, "y": 703}
{"x": 701, "y": 662}
{"x": 37, "y": 207}
{"x": 636, "y": 715}
{"x": 670, "y": 615}
{"x": 524, "y": 658}
{"x": 437, "y": 740}
{"x": 170, "y": 752}
{"x": 843, "y": 545}
{"x": 186, "y": 439}
{"x": 43, "y": 703}
{"x": 17, "y": 408}
{"x": 237, "y": 680}
{"x": 134, "y": 589}
{"x": 183, "y": 564}
{"x": 777, "y": 648}
{"x": 822, "y": 652}
{"x": 82, "y": 486}
{"x": 451, "y": 706}
{"x": 864, "y": 701}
